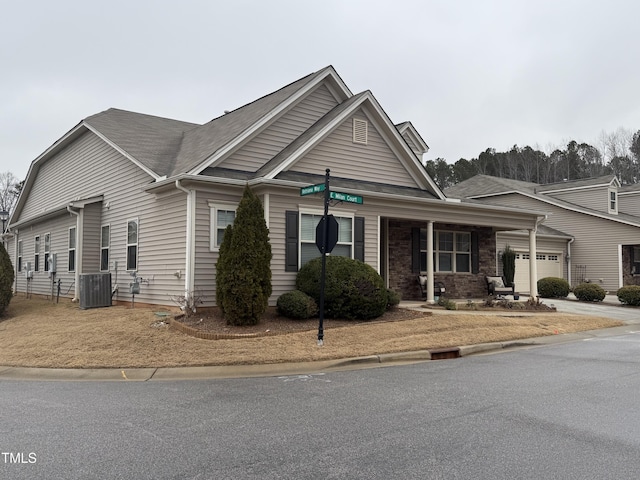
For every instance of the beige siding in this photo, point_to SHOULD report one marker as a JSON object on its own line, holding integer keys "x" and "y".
{"x": 42, "y": 283}
{"x": 596, "y": 198}
{"x": 629, "y": 204}
{"x": 374, "y": 162}
{"x": 92, "y": 219}
{"x": 282, "y": 132}
{"x": 597, "y": 239}
{"x": 206, "y": 259}
{"x": 162, "y": 220}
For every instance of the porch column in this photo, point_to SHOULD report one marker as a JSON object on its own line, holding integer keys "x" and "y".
{"x": 430, "y": 289}
{"x": 533, "y": 271}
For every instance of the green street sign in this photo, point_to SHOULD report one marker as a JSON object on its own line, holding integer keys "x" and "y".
{"x": 311, "y": 189}
{"x": 345, "y": 197}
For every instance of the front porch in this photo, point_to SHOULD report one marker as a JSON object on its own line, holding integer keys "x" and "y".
{"x": 460, "y": 260}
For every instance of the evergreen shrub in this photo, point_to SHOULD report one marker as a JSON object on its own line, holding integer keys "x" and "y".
{"x": 298, "y": 305}
{"x": 629, "y": 295}
{"x": 589, "y": 292}
{"x": 553, "y": 287}
{"x": 7, "y": 277}
{"x": 393, "y": 298}
{"x": 243, "y": 271}
{"x": 353, "y": 289}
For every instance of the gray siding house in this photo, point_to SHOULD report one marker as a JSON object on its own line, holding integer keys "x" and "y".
{"x": 136, "y": 195}
{"x": 592, "y": 230}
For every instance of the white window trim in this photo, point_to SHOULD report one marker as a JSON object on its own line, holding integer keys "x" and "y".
{"x": 615, "y": 201}
{"x": 36, "y": 254}
{"x": 19, "y": 259}
{"x": 305, "y": 211}
{"x": 137, "y": 245}
{"x": 107, "y": 248}
{"x": 214, "y": 207}
{"x": 72, "y": 249}
{"x": 47, "y": 251}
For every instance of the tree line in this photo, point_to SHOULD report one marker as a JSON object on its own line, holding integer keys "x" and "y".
{"x": 617, "y": 153}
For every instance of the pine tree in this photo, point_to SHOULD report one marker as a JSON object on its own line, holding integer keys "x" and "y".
{"x": 244, "y": 266}
{"x": 6, "y": 279}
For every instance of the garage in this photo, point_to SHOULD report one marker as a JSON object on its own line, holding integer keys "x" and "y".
{"x": 549, "y": 264}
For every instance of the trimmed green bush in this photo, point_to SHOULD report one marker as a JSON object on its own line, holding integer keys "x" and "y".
{"x": 553, "y": 287}
{"x": 589, "y": 292}
{"x": 629, "y": 295}
{"x": 243, "y": 271}
{"x": 393, "y": 298}
{"x": 353, "y": 289}
{"x": 6, "y": 279}
{"x": 447, "y": 304}
{"x": 298, "y": 305}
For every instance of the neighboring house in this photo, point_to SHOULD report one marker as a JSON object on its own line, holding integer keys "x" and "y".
{"x": 592, "y": 230}
{"x": 137, "y": 195}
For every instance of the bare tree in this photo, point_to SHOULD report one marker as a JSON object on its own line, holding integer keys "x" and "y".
{"x": 9, "y": 191}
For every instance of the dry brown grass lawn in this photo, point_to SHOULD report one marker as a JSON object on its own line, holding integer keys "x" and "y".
{"x": 38, "y": 333}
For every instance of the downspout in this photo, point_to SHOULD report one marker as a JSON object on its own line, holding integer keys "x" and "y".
{"x": 79, "y": 253}
{"x": 569, "y": 259}
{"x": 189, "y": 266}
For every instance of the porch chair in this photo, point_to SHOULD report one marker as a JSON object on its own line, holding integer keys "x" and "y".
{"x": 438, "y": 287}
{"x": 496, "y": 286}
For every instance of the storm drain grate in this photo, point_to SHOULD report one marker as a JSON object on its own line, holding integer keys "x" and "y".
{"x": 445, "y": 353}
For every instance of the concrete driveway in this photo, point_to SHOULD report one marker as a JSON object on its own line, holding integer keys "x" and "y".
{"x": 609, "y": 308}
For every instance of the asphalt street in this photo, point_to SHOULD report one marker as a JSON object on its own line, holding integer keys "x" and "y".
{"x": 565, "y": 411}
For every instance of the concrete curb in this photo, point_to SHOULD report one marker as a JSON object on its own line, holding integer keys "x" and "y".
{"x": 284, "y": 369}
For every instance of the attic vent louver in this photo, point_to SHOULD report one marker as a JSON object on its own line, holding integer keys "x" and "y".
{"x": 360, "y": 131}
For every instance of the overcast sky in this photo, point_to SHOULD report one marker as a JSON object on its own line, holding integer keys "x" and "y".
{"x": 469, "y": 74}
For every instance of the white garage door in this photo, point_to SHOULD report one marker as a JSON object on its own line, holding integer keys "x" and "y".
{"x": 548, "y": 265}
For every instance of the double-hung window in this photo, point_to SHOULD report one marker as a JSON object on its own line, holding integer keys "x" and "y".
{"x": 308, "y": 248}
{"x": 613, "y": 201}
{"x": 20, "y": 255}
{"x": 47, "y": 249}
{"x": 132, "y": 245}
{"x": 72, "y": 249}
{"x": 105, "y": 240}
{"x": 221, "y": 216}
{"x": 36, "y": 253}
{"x": 451, "y": 251}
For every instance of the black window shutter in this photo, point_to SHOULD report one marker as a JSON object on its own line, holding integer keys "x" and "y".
{"x": 358, "y": 240}
{"x": 415, "y": 250}
{"x": 475, "y": 253}
{"x": 291, "y": 241}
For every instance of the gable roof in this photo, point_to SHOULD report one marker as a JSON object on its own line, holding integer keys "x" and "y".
{"x": 486, "y": 186}
{"x": 605, "y": 180}
{"x": 153, "y": 142}
{"x": 165, "y": 147}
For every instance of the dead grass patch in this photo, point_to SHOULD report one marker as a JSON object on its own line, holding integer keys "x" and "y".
{"x": 38, "y": 333}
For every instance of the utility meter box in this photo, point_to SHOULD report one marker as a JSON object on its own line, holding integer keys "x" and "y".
{"x": 134, "y": 288}
{"x": 53, "y": 261}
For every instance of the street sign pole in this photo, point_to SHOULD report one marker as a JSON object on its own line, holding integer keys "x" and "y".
{"x": 325, "y": 234}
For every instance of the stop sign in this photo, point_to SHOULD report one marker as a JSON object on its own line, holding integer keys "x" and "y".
{"x": 332, "y": 233}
